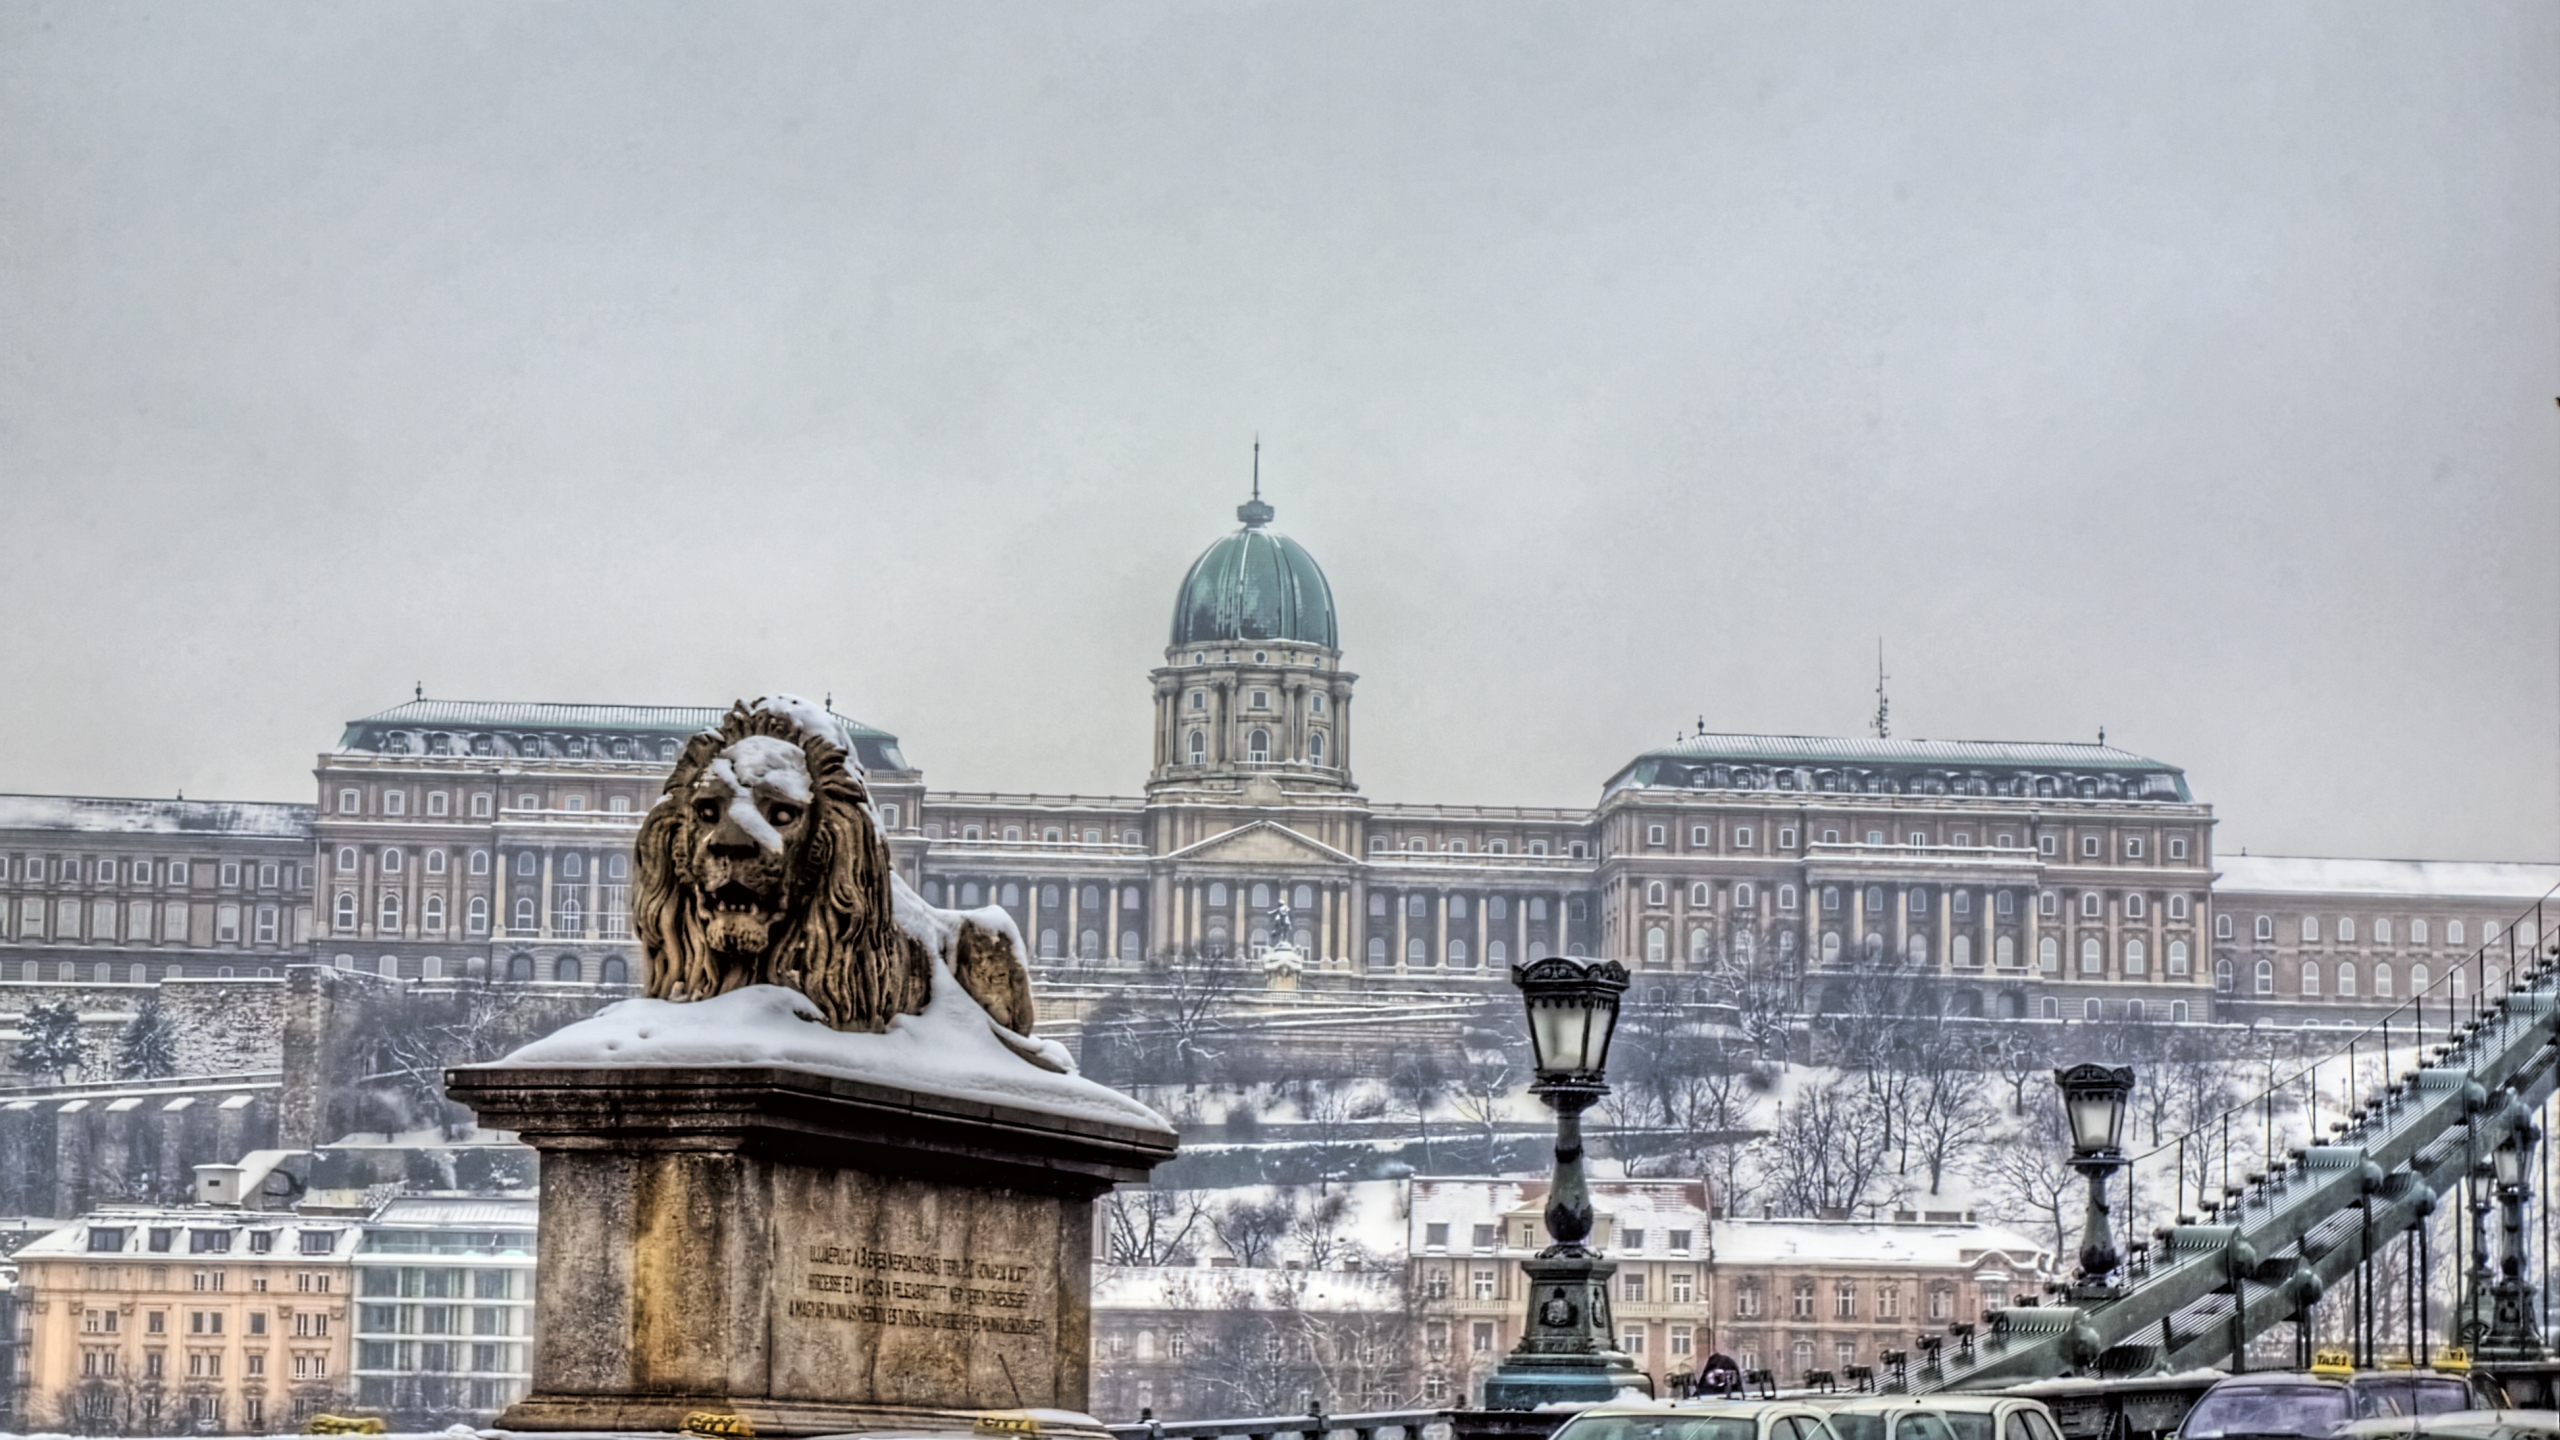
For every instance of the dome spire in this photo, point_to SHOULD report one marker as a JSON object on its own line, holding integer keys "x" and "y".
{"x": 1253, "y": 512}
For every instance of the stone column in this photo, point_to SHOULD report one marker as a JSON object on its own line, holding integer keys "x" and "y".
{"x": 1355, "y": 923}
{"x": 1111, "y": 937}
{"x": 1440, "y": 930}
{"x": 542, "y": 901}
{"x": 1403, "y": 909}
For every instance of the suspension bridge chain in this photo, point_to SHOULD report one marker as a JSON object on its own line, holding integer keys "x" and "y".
{"x": 2294, "y": 1234}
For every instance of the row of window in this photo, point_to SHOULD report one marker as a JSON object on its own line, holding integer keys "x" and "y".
{"x": 2092, "y": 847}
{"x": 1421, "y": 845}
{"x": 1257, "y": 747}
{"x": 2380, "y": 929}
{"x": 1259, "y": 699}
{"x": 2134, "y": 952}
{"x": 1013, "y": 834}
{"x": 2344, "y": 980}
{"x": 969, "y": 894}
{"x": 1435, "y": 1236}
{"x": 139, "y": 921}
{"x": 527, "y": 746}
{"x": 1417, "y": 905}
{"x": 142, "y": 871}
{"x": 439, "y": 804}
{"x": 98, "y": 1362}
{"x": 566, "y": 864}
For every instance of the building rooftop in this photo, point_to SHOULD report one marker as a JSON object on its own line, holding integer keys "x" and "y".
{"x": 2395, "y": 879}
{"x": 1872, "y": 1242}
{"x": 131, "y": 1229}
{"x": 1256, "y": 584}
{"x": 525, "y": 728}
{"x": 1235, "y": 1287}
{"x": 1857, "y": 764}
{"x": 468, "y": 1212}
{"x": 100, "y": 815}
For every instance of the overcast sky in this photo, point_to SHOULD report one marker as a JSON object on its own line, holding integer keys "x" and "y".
{"x": 2182, "y": 370}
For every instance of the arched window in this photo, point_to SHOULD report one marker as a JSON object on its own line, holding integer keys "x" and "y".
{"x": 520, "y": 967}
{"x": 2137, "y": 959}
{"x": 1303, "y": 898}
{"x": 1257, "y": 746}
{"x": 2346, "y": 980}
{"x": 1377, "y": 949}
{"x": 573, "y": 866}
{"x": 346, "y": 859}
{"x": 1742, "y": 944}
{"x": 2004, "y": 952}
{"x": 1701, "y": 895}
{"x": 2222, "y": 976}
{"x": 1048, "y": 897}
{"x": 476, "y": 915}
{"x": 1786, "y": 897}
{"x": 1537, "y": 907}
{"x": 2093, "y": 957}
{"x": 1011, "y": 897}
{"x": 1090, "y": 897}
{"x": 1657, "y": 945}
{"x": 1831, "y": 898}
{"x": 1416, "y": 906}
{"x": 1875, "y": 899}
{"x": 1049, "y": 944}
{"x": 1199, "y": 748}
{"x": 1919, "y": 949}
{"x": 2049, "y": 955}
{"x": 479, "y": 862}
{"x": 2419, "y": 980}
{"x": 2382, "y": 981}
{"x": 567, "y": 971}
{"x": 2310, "y": 978}
{"x": 345, "y": 916}
{"x": 1656, "y": 893}
{"x": 1960, "y": 950}
{"x": 1830, "y": 947}
{"x": 1458, "y": 953}
{"x": 2177, "y": 957}
{"x": 969, "y": 894}
{"x": 2310, "y": 927}
{"x": 2382, "y": 931}
{"x": 2049, "y": 1008}
{"x": 1089, "y": 945}
{"x": 1415, "y": 952}
{"x": 613, "y": 972}
{"x": 1315, "y": 748}
{"x": 1261, "y": 896}
{"x": 570, "y": 918}
{"x": 1698, "y": 945}
{"x": 2417, "y": 932}
{"x": 391, "y": 862}
{"x": 2091, "y": 1010}
{"x": 525, "y": 866}
{"x": 387, "y": 918}
{"x": 1496, "y": 953}
{"x": 523, "y": 922}
{"x": 1130, "y": 945}
{"x": 2135, "y": 1011}
{"x": 1217, "y": 895}
{"x": 1742, "y": 895}
{"x": 2453, "y": 932}
{"x": 435, "y": 862}
{"x": 2346, "y": 929}
{"x": 2461, "y": 983}
{"x": 431, "y": 914}
{"x": 2265, "y": 928}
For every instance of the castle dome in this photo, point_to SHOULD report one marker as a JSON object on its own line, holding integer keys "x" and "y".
{"x": 1255, "y": 584}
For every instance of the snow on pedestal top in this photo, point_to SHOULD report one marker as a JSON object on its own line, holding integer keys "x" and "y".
{"x": 950, "y": 1049}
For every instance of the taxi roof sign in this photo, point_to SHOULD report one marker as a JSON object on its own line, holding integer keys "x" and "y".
{"x": 2452, "y": 1357}
{"x": 2332, "y": 1362}
{"x": 1015, "y": 1422}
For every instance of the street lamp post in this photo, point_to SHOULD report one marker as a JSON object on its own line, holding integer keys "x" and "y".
{"x": 1567, "y": 1351}
{"x": 2512, "y": 1333}
{"x": 2093, "y": 1100}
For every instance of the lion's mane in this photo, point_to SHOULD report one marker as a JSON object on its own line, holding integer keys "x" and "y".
{"x": 840, "y": 943}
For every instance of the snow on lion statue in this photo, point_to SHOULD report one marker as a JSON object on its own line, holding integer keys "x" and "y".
{"x": 762, "y": 864}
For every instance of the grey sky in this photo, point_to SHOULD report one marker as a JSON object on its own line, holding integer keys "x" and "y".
{"x": 2186, "y": 370}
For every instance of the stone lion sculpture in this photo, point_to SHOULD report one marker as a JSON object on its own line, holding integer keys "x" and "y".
{"x": 762, "y": 864}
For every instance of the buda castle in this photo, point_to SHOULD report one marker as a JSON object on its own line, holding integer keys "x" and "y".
{"x": 2032, "y": 879}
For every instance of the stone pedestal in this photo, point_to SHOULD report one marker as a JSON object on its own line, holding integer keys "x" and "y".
{"x": 810, "y": 1254}
{"x": 1568, "y": 1353}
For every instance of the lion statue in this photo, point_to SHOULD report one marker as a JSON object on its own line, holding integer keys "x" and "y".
{"x": 762, "y": 864}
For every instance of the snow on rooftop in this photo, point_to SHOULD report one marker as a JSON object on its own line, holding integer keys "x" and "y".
{"x": 106, "y": 815}
{"x": 1853, "y": 1242}
{"x": 2429, "y": 879}
{"x": 459, "y": 1212}
{"x": 951, "y": 1049}
{"x": 1232, "y": 1287}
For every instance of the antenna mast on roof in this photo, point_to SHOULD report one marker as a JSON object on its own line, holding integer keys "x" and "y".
{"x": 1257, "y": 466}
{"x": 1884, "y": 708}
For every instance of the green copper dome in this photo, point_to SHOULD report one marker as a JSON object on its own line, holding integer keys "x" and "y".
{"x": 1254, "y": 585}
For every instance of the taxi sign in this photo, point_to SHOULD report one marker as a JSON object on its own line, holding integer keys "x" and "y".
{"x": 2453, "y": 1357}
{"x": 1015, "y": 1423}
{"x": 712, "y": 1422}
{"x": 2332, "y": 1363}
{"x": 344, "y": 1425}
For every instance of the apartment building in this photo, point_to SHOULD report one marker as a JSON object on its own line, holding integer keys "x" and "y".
{"x": 444, "y": 1309}
{"x": 200, "y": 1318}
{"x": 1794, "y": 1296}
{"x": 2302, "y": 940}
{"x": 101, "y": 890}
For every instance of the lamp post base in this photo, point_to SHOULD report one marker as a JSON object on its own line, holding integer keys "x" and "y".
{"x": 1568, "y": 1355}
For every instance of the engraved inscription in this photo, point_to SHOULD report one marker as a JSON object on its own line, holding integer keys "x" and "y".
{"x": 923, "y": 1292}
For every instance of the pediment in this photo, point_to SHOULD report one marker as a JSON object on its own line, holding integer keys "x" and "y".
{"x": 1262, "y": 843}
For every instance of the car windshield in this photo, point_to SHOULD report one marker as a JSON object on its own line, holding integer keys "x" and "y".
{"x": 2421, "y": 1394}
{"x": 1969, "y": 1426}
{"x": 1660, "y": 1427}
{"x": 2267, "y": 1410}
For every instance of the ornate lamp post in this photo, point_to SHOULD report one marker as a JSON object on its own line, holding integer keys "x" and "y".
{"x": 1568, "y": 1350}
{"x": 2093, "y": 1099}
{"x": 2512, "y": 1333}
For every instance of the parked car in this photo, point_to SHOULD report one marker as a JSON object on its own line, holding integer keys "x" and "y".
{"x": 2459, "y": 1425}
{"x": 2434, "y": 1392}
{"x": 2280, "y": 1405}
{"x": 1700, "y": 1420}
{"x": 1997, "y": 1417}
{"x": 1889, "y": 1417}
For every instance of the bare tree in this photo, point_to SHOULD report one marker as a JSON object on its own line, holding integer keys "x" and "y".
{"x": 1827, "y": 1155}
{"x": 2027, "y": 1178}
{"x": 1144, "y": 1225}
{"x": 1251, "y": 1229}
{"x": 1419, "y": 1084}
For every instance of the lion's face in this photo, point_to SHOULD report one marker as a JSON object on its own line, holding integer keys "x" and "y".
{"x": 748, "y": 828}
